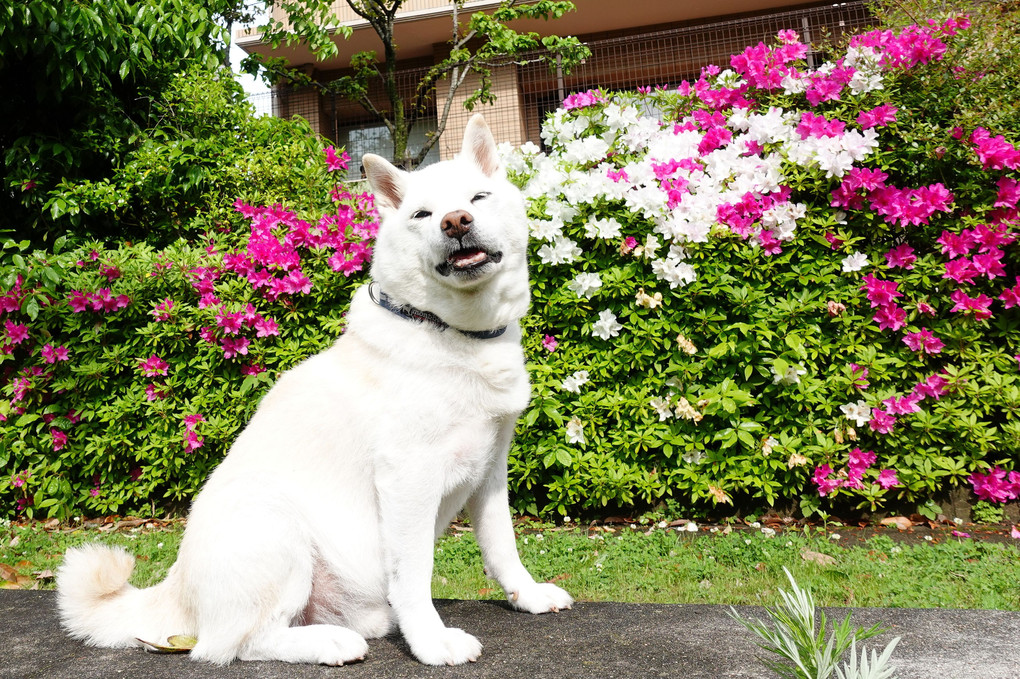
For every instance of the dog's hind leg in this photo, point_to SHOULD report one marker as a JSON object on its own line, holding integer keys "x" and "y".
{"x": 318, "y": 644}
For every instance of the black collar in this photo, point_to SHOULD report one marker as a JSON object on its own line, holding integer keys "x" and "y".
{"x": 417, "y": 315}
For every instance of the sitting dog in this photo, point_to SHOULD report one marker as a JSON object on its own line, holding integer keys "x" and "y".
{"x": 317, "y": 530}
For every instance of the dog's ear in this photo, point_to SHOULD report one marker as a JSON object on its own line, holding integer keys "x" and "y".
{"x": 479, "y": 146}
{"x": 386, "y": 180}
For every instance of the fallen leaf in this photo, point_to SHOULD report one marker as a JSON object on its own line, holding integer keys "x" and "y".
{"x": 51, "y": 524}
{"x": 24, "y": 563}
{"x": 10, "y": 585}
{"x": 160, "y": 648}
{"x": 8, "y": 573}
{"x": 25, "y": 581}
{"x": 901, "y": 522}
{"x": 45, "y": 575}
{"x": 15, "y": 541}
{"x": 818, "y": 558}
{"x": 558, "y": 578}
{"x": 182, "y": 641}
{"x": 485, "y": 591}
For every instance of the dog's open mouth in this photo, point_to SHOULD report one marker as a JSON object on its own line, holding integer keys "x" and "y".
{"x": 468, "y": 259}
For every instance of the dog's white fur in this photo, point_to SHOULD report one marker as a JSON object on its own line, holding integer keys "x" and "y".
{"x": 317, "y": 530}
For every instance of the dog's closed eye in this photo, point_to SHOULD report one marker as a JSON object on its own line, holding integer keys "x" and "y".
{"x": 421, "y": 214}
{"x": 481, "y": 195}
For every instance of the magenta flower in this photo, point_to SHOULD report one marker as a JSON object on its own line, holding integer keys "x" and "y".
{"x": 881, "y": 421}
{"x": 925, "y": 308}
{"x": 264, "y": 327}
{"x": 904, "y": 405}
{"x": 961, "y": 270}
{"x": 994, "y": 153}
{"x": 923, "y": 340}
{"x": 618, "y": 175}
{"x": 887, "y": 479}
{"x": 549, "y": 343}
{"x": 860, "y": 459}
{"x": 152, "y": 366}
{"x": 979, "y": 305}
{"x": 1011, "y": 296}
{"x": 890, "y": 317}
{"x": 582, "y": 100}
{"x": 163, "y": 309}
{"x": 233, "y": 347}
{"x": 152, "y": 393}
{"x": 52, "y": 354}
{"x": 880, "y": 116}
{"x": 933, "y": 387}
{"x": 230, "y": 322}
{"x": 16, "y": 332}
{"x": 821, "y": 479}
{"x": 960, "y": 534}
{"x": 880, "y": 293}
{"x": 59, "y": 438}
{"x": 1008, "y": 194}
{"x": 335, "y": 162}
{"x": 995, "y": 486}
{"x": 110, "y": 272}
{"x": 901, "y": 257}
{"x": 252, "y": 369}
{"x": 858, "y": 375}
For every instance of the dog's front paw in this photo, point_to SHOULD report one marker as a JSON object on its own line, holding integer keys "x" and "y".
{"x": 447, "y": 646}
{"x": 540, "y": 597}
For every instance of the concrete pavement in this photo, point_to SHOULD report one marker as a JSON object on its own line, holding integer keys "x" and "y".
{"x": 603, "y": 640}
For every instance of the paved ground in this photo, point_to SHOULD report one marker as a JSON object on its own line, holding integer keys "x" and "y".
{"x": 602, "y": 640}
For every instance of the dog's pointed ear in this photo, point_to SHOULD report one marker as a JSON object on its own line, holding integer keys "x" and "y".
{"x": 386, "y": 180}
{"x": 479, "y": 146}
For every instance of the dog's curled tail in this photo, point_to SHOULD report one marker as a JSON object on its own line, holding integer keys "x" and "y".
{"x": 100, "y": 607}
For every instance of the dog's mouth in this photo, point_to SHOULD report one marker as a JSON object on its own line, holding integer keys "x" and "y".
{"x": 467, "y": 260}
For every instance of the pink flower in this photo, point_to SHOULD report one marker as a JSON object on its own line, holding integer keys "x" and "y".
{"x": 858, "y": 375}
{"x": 1008, "y": 194}
{"x": 162, "y": 310}
{"x": 230, "y": 322}
{"x": 923, "y": 340}
{"x": 821, "y": 479}
{"x": 207, "y": 334}
{"x": 1014, "y": 533}
{"x": 334, "y": 162}
{"x": 549, "y": 343}
{"x": 252, "y": 369}
{"x": 880, "y": 293}
{"x": 16, "y": 332}
{"x": 995, "y": 486}
{"x": 901, "y": 256}
{"x": 960, "y": 534}
{"x": 813, "y": 125}
{"x": 59, "y": 438}
{"x": 956, "y": 245}
{"x": 905, "y": 405}
{"x": 960, "y": 270}
{"x": 887, "y": 479}
{"x": 933, "y": 387}
{"x": 881, "y": 421}
{"x": 978, "y": 305}
{"x": 264, "y": 327}
{"x": 110, "y": 272}
{"x": 52, "y": 354}
{"x": 152, "y": 393}
{"x": 233, "y": 347}
{"x": 582, "y": 100}
{"x": 859, "y": 459}
{"x": 994, "y": 153}
{"x": 152, "y": 366}
{"x": 890, "y": 317}
{"x": 925, "y": 308}
{"x": 1011, "y": 296}
{"x": 208, "y": 300}
{"x": 618, "y": 175}
{"x": 880, "y": 116}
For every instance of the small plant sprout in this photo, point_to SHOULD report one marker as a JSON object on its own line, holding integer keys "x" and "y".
{"x": 798, "y": 637}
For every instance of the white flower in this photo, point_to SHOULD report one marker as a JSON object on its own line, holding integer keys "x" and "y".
{"x": 664, "y": 407}
{"x": 858, "y": 412}
{"x": 674, "y": 271}
{"x": 574, "y": 382}
{"x": 768, "y": 445}
{"x": 602, "y": 228}
{"x": 546, "y": 230}
{"x": 790, "y": 376}
{"x": 575, "y": 430}
{"x": 585, "y": 284}
{"x": 855, "y": 262}
{"x": 561, "y": 251}
{"x": 606, "y": 326}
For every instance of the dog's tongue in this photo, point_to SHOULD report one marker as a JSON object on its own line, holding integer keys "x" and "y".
{"x": 463, "y": 259}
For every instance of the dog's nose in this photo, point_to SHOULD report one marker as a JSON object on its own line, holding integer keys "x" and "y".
{"x": 457, "y": 223}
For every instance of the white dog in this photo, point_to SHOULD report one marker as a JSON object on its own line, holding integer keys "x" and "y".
{"x": 317, "y": 530}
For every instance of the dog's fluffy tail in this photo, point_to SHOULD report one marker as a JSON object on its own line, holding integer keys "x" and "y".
{"x": 98, "y": 606}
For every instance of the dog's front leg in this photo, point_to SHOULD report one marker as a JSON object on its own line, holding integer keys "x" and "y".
{"x": 408, "y": 508}
{"x": 490, "y": 514}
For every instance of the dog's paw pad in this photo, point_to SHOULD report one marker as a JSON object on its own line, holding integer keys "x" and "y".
{"x": 448, "y": 646}
{"x": 541, "y": 597}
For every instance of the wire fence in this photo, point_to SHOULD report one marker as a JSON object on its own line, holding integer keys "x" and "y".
{"x": 528, "y": 89}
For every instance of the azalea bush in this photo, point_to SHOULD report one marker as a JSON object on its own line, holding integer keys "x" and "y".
{"x": 129, "y": 371}
{"x": 775, "y": 285}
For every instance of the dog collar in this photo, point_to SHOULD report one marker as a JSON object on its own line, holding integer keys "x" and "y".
{"x": 418, "y": 316}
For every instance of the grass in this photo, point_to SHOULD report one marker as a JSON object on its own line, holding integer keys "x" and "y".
{"x": 642, "y": 565}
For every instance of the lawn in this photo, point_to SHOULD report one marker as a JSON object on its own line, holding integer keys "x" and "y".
{"x": 638, "y": 563}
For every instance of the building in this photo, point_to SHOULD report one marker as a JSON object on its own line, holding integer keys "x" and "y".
{"x": 633, "y": 44}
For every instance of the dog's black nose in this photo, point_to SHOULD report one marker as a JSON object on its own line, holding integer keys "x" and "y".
{"x": 457, "y": 223}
